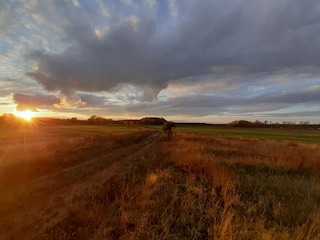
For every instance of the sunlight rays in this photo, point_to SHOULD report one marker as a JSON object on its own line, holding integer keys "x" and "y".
{"x": 26, "y": 115}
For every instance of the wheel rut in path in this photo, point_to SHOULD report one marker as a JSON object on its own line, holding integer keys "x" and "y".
{"x": 127, "y": 153}
{"x": 52, "y": 191}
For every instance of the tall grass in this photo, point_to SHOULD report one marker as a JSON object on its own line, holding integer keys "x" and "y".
{"x": 193, "y": 187}
{"x": 21, "y": 163}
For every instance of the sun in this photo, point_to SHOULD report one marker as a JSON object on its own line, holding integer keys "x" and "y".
{"x": 26, "y": 115}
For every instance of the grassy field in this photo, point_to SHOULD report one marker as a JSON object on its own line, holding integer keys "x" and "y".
{"x": 295, "y": 135}
{"x": 141, "y": 185}
{"x": 29, "y": 152}
{"x": 31, "y": 133}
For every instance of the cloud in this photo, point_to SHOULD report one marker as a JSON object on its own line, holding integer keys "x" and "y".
{"x": 6, "y": 21}
{"x": 127, "y": 2}
{"x": 93, "y": 100}
{"x": 200, "y": 105}
{"x": 34, "y": 102}
{"x": 151, "y": 3}
{"x": 230, "y": 41}
{"x": 104, "y": 9}
{"x": 1, "y": 103}
{"x": 101, "y": 63}
{"x": 76, "y": 3}
{"x": 302, "y": 97}
{"x": 234, "y": 56}
{"x": 173, "y": 8}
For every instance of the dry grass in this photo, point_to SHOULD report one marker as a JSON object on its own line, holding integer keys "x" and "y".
{"x": 21, "y": 163}
{"x": 193, "y": 187}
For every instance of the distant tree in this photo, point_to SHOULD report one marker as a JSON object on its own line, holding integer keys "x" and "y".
{"x": 73, "y": 120}
{"x": 152, "y": 121}
{"x": 96, "y": 120}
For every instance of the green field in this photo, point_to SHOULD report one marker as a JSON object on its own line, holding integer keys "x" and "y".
{"x": 292, "y": 135}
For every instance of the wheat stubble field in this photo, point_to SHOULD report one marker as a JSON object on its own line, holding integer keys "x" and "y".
{"x": 103, "y": 183}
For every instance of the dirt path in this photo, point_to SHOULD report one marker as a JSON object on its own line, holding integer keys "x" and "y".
{"x": 136, "y": 148}
{"x": 50, "y": 191}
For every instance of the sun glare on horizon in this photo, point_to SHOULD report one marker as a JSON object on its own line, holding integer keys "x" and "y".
{"x": 26, "y": 115}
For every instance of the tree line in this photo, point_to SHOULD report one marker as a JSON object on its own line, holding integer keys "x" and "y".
{"x": 11, "y": 119}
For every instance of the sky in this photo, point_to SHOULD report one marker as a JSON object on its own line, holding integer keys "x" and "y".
{"x": 211, "y": 61}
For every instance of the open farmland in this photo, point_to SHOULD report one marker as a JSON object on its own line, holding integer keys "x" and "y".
{"x": 140, "y": 185}
{"x": 27, "y": 152}
{"x": 295, "y": 135}
{"x": 47, "y": 133}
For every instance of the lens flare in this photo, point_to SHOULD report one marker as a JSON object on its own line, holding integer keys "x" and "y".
{"x": 26, "y": 115}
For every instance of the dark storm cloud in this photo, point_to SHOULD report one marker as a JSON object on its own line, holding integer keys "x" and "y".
{"x": 93, "y": 100}
{"x": 296, "y": 114}
{"x": 93, "y": 64}
{"x": 305, "y": 96}
{"x": 241, "y": 37}
{"x": 204, "y": 105}
{"x": 34, "y": 102}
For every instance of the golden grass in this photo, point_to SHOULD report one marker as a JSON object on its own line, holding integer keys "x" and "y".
{"x": 192, "y": 187}
{"x": 21, "y": 163}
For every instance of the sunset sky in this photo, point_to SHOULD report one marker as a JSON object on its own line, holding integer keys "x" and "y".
{"x": 186, "y": 60}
